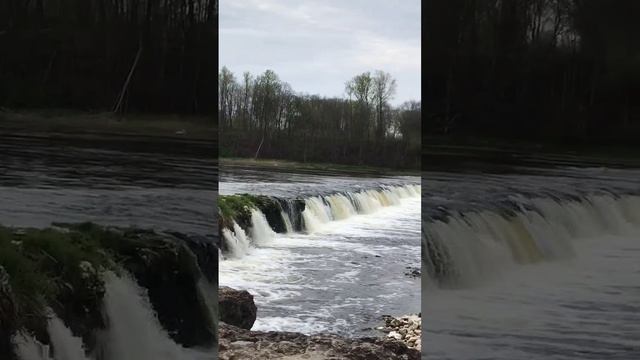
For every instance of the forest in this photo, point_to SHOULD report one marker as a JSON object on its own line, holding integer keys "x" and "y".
{"x": 261, "y": 116}
{"x": 557, "y": 71}
{"x": 153, "y": 56}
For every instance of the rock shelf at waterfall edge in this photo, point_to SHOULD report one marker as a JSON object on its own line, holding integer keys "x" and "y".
{"x": 60, "y": 278}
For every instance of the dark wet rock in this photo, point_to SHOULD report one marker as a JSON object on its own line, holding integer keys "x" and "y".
{"x": 237, "y": 343}
{"x": 166, "y": 265}
{"x": 168, "y": 269}
{"x": 412, "y": 272}
{"x": 293, "y": 208}
{"x": 79, "y": 303}
{"x": 236, "y": 307}
{"x": 272, "y": 209}
{"x": 206, "y": 251}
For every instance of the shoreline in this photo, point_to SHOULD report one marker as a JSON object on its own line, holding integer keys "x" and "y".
{"x": 312, "y": 167}
{"x": 89, "y": 125}
{"x": 238, "y": 311}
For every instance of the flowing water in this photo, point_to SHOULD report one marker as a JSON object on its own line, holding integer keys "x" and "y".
{"x": 536, "y": 264}
{"x": 339, "y": 262}
{"x": 142, "y": 182}
{"x": 150, "y": 184}
{"x": 133, "y": 332}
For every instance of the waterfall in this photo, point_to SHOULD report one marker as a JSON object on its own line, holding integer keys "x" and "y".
{"x": 318, "y": 211}
{"x": 65, "y": 345}
{"x": 28, "y": 348}
{"x": 236, "y": 241}
{"x": 341, "y": 207}
{"x": 133, "y": 331}
{"x": 287, "y": 222}
{"x": 261, "y": 231}
{"x": 467, "y": 248}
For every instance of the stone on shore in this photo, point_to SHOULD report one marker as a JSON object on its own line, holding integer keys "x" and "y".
{"x": 236, "y": 307}
{"x": 407, "y": 329}
{"x": 237, "y": 343}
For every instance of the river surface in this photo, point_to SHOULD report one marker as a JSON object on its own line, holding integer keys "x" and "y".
{"x": 146, "y": 183}
{"x": 532, "y": 264}
{"x": 341, "y": 277}
{"x": 151, "y": 183}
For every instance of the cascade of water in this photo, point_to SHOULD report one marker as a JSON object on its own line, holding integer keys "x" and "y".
{"x": 318, "y": 210}
{"x": 340, "y": 206}
{"x": 479, "y": 245}
{"x": 65, "y": 345}
{"x": 287, "y": 222}
{"x": 261, "y": 231}
{"x": 237, "y": 241}
{"x": 133, "y": 331}
{"x": 28, "y": 348}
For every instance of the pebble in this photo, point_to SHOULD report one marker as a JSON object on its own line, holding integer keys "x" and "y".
{"x": 407, "y": 329}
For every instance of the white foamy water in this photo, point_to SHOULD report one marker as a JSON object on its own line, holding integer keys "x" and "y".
{"x": 543, "y": 277}
{"x": 133, "y": 332}
{"x": 342, "y": 273}
{"x": 28, "y": 348}
{"x": 66, "y": 345}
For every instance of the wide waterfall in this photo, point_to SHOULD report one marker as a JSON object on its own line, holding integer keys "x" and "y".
{"x": 316, "y": 213}
{"x": 531, "y": 263}
{"x": 465, "y": 248}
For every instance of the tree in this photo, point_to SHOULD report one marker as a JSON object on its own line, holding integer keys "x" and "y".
{"x": 384, "y": 87}
{"x": 263, "y": 116}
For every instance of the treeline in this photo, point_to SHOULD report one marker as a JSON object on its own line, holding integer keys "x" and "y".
{"x": 79, "y": 54}
{"x": 554, "y": 70}
{"x": 261, "y": 116}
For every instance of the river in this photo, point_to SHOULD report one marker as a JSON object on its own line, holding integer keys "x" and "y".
{"x": 342, "y": 265}
{"x": 532, "y": 263}
{"x": 144, "y": 182}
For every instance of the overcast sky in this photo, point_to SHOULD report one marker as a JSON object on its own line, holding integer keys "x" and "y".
{"x": 317, "y": 45}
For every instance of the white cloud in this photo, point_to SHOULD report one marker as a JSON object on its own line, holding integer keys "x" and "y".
{"x": 380, "y": 53}
{"x": 317, "y": 45}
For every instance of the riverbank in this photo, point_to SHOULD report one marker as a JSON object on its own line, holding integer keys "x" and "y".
{"x": 84, "y": 124}
{"x": 313, "y": 168}
{"x": 471, "y": 154}
{"x": 237, "y": 341}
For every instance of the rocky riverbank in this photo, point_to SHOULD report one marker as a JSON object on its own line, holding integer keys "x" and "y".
{"x": 407, "y": 329}
{"x": 237, "y": 341}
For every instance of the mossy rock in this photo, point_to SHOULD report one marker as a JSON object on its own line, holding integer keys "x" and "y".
{"x": 54, "y": 269}
{"x": 238, "y": 208}
{"x": 61, "y": 269}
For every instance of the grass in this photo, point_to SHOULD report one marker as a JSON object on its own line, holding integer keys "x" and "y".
{"x": 61, "y": 268}
{"x": 313, "y": 167}
{"x": 238, "y": 208}
{"x": 44, "y": 265}
{"x": 104, "y": 123}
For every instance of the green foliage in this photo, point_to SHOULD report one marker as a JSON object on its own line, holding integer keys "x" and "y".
{"x": 58, "y": 267}
{"x": 30, "y": 287}
{"x": 234, "y": 206}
